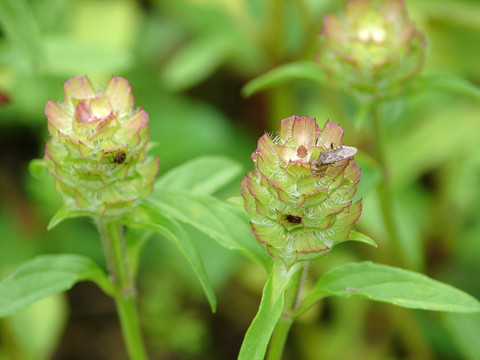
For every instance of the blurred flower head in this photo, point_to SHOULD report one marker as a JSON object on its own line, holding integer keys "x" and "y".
{"x": 97, "y": 150}
{"x": 373, "y": 50}
{"x": 301, "y": 205}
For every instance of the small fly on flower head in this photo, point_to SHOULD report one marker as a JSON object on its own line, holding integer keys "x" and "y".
{"x": 337, "y": 154}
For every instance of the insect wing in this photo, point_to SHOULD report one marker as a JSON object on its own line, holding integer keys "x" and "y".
{"x": 338, "y": 154}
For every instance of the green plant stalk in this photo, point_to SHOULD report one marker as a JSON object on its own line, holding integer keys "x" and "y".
{"x": 112, "y": 237}
{"x": 275, "y": 28}
{"x": 292, "y": 302}
{"x": 279, "y": 337}
{"x": 396, "y": 254}
{"x": 386, "y": 193}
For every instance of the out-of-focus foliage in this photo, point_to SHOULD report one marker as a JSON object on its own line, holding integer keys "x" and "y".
{"x": 187, "y": 61}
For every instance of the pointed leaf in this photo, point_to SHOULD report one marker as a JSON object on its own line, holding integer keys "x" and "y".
{"x": 203, "y": 175}
{"x": 358, "y": 236}
{"x": 223, "y": 222}
{"x": 446, "y": 82}
{"x": 37, "y": 167}
{"x": 65, "y": 213}
{"x": 258, "y": 335}
{"x": 48, "y": 275}
{"x": 236, "y": 201}
{"x": 393, "y": 285}
{"x": 308, "y": 70}
{"x": 150, "y": 217}
{"x": 196, "y": 61}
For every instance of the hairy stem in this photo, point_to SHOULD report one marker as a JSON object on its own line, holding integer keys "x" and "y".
{"x": 114, "y": 243}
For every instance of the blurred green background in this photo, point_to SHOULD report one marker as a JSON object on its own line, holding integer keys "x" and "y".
{"x": 187, "y": 61}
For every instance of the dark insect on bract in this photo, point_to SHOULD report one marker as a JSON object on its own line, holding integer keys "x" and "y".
{"x": 120, "y": 158}
{"x": 294, "y": 219}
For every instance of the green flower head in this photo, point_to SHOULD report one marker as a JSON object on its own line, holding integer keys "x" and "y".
{"x": 373, "y": 50}
{"x": 97, "y": 150}
{"x": 299, "y": 194}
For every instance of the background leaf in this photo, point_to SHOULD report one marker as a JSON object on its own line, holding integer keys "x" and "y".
{"x": 203, "y": 175}
{"x": 395, "y": 286}
{"x": 17, "y": 20}
{"x": 308, "y": 70}
{"x": 446, "y": 83}
{"x": 48, "y": 275}
{"x": 196, "y": 61}
{"x": 150, "y": 217}
{"x": 37, "y": 329}
{"x": 223, "y": 222}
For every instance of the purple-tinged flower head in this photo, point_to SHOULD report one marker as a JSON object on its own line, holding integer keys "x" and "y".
{"x": 299, "y": 194}
{"x": 373, "y": 50}
{"x": 97, "y": 150}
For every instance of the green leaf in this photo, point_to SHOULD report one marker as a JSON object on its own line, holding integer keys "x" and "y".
{"x": 223, "y": 222}
{"x": 65, "y": 213}
{"x": 258, "y": 335}
{"x": 196, "y": 61}
{"x": 236, "y": 201}
{"x": 395, "y": 286}
{"x": 358, "y": 236}
{"x": 308, "y": 70}
{"x": 18, "y": 23}
{"x": 428, "y": 155}
{"x": 67, "y": 55}
{"x": 37, "y": 330}
{"x": 446, "y": 82}
{"x": 203, "y": 175}
{"x": 149, "y": 217}
{"x": 48, "y": 275}
{"x": 37, "y": 167}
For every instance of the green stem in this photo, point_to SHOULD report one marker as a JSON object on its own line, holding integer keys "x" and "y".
{"x": 117, "y": 260}
{"x": 386, "y": 192}
{"x": 275, "y": 29}
{"x": 396, "y": 254}
{"x": 292, "y": 302}
{"x": 279, "y": 338}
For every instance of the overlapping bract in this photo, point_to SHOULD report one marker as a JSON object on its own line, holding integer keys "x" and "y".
{"x": 372, "y": 51}
{"x": 97, "y": 150}
{"x": 300, "y": 209}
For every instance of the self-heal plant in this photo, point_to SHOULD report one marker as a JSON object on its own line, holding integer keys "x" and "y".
{"x": 300, "y": 203}
{"x": 97, "y": 151}
{"x": 373, "y": 50}
{"x": 97, "y": 156}
{"x": 299, "y": 199}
